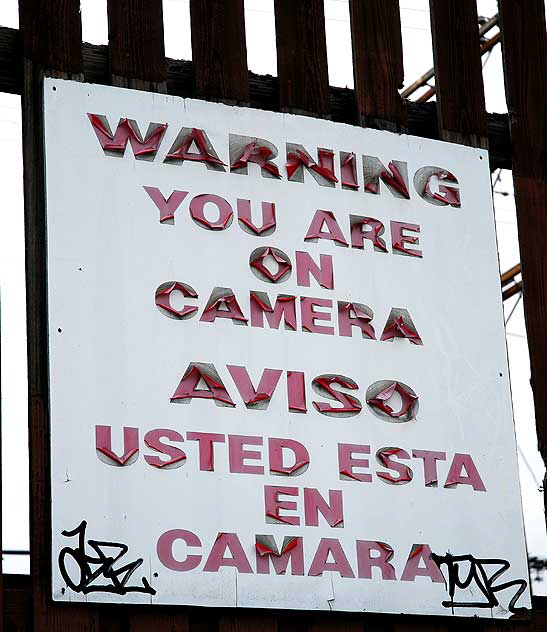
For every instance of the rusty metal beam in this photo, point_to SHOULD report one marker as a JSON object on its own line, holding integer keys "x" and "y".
{"x": 422, "y": 81}
{"x": 486, "y": 46}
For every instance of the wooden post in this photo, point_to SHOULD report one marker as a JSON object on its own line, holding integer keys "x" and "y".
{"x": 1, "y": 539}
{"x": 458, "y": 72}
{"x": 51, "y": 44}
{"x": 524, "y": 45}
{"x": 136, "y": 46}
{"x": 378, "y": 63}
{"x": 219, "y": 50}
{"x": 302, "y": 57}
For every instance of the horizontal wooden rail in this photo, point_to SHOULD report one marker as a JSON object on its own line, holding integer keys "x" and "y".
{"x": 512, "y": 290}
{"x": 18, "y": 618}
{"x": 422, "y": 118}
{"x": 510, "y": 274}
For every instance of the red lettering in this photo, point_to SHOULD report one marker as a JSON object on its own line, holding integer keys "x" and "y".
{"x": 197, "y": 211}
{"x": 167, "y": 207}
{"x": 285, "y": 307}
{"x": 128, "y": 130}
{"x": 366, "y": 561}
{"x": 430, "y": 465}
{"x": 455, "y": 476}
{"x": 273, "y": 505}
{"x": 333, "y": 233}
{"x": 309, "y": 315}
{"x": 399, "y": 239}
{"x": 153, "y": 440}
{"x": 223, "y": 304}
{"x": 385, "y": 457}
{"x": 340, "y": 564}
{"x": 296, "y": 392}
{"x": 206, "y": 448}
{"x": 206, "y": 375}
{"x": 292, "y": 551}
{"x": 315, "y": 504}
{"x": 347, "y": 462}
{"x": 165, "y": 550}
{"x": 375, "y": 229}
{"x": 188, "y": 138}
{"x": 322, "y": 385}
{"x": 322, "y": 273}
{"x": 245, "y": 221}
{"x": 259, "y": 398}
{"x": 238, "y": 455}
{"x": 421, "y": 553}
{"x": 103, "y": 446}
{"x": 227, "y": 542}
{"x": 300, "y": 454}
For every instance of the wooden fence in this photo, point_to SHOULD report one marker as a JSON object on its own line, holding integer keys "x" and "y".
{"x": 49, "y": 42}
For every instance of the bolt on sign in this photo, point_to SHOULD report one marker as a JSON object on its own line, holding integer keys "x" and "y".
{"x": 278, "y": 371}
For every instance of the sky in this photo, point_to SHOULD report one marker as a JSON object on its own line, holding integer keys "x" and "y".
{"x": 261, "y": 59}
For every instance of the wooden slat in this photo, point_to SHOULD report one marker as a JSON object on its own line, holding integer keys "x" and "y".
{"x": 339, "y": 623}
{"x": 219, "y": 51}
{"x": 10, "y": 61}
{"x": 524, "y": 45}
{"x": 52, "y": 33}
{"x": 135, "y": 37}
{"x": 247, "y": 622}
{"x": 154, "y": 620}
{"x": 51, "y": 42}
{"x": 17, "y": 611}
{"x": 458, "y": 71}
{"x": 203, "y": 620}
{"x": 302, "y": 57}
{"x": 113, "y": 619}
{"x": 378, "y": 63}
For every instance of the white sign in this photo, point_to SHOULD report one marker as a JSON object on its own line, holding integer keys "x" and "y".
{"x": 278, "y": 370}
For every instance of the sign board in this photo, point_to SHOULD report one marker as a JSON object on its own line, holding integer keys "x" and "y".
{"x": 278, "y": 371}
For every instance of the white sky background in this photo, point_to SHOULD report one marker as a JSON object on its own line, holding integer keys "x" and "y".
{"x": 262, "y": 59}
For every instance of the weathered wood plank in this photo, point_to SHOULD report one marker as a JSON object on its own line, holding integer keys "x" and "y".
{"x": 335, "y": 623}
{"x": 137, "y": 51}
{"x": 458, "y": 71}
{"x": 51, "y": 33}
{"x": 10, "y": 61}
{"x": 378, "y": 63}
{"x": 155, "y": 619}
{"x": 17, "y": 611}
{"x": 247, "y": 622}
{"x": 51, "y": 42}
{"x": 524, "y": 45}
{"x": 302, "y": 57}
{"x": 219, "y": 50}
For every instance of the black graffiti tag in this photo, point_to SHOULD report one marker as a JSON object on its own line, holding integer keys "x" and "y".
{"x": 484, "y": 580}
{"x": 99, "y": 566}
